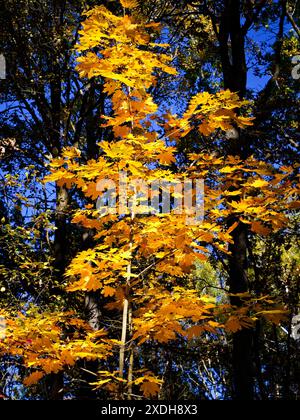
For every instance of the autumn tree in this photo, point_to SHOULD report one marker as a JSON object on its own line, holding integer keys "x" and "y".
{"x": 136, "y": 272}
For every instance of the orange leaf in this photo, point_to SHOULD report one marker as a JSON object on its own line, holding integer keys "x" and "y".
{"x": 232, "y": 227}
{"x": 259, "y": 228}
{"x": 33, "y": 378}
{"x": 129, "y": 4}
{"x": 150, "y": 388}
{"x": 108, "y": 291}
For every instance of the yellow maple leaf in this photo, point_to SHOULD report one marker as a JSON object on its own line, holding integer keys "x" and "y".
{"x": 228, "y": 169}
{"x": 259, "y": 183}
{"x": 233, "y": 193}
{"x": 274, "y": 315}
{"x": 129, "y": 4}
{"x": 240, "y": 206}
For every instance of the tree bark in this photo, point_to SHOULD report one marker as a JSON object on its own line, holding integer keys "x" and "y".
{"x": 90, "y": 118}
{"x": 232, "y": 50}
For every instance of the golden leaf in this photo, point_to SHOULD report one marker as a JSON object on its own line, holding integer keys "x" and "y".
{"x": 129, "y": 4}
{"x": 259, "y": 183}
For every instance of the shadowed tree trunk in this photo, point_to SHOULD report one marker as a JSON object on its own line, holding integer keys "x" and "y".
{"x": 232, "y": 49}
{"x": 92, "y": 302}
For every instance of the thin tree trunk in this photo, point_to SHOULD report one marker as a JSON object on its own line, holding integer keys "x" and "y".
{"x": 91, "y": 110}
{"x": 126, "y": 312}
{"x": 123, "y": 337}
{"x": 131, "y": 356}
